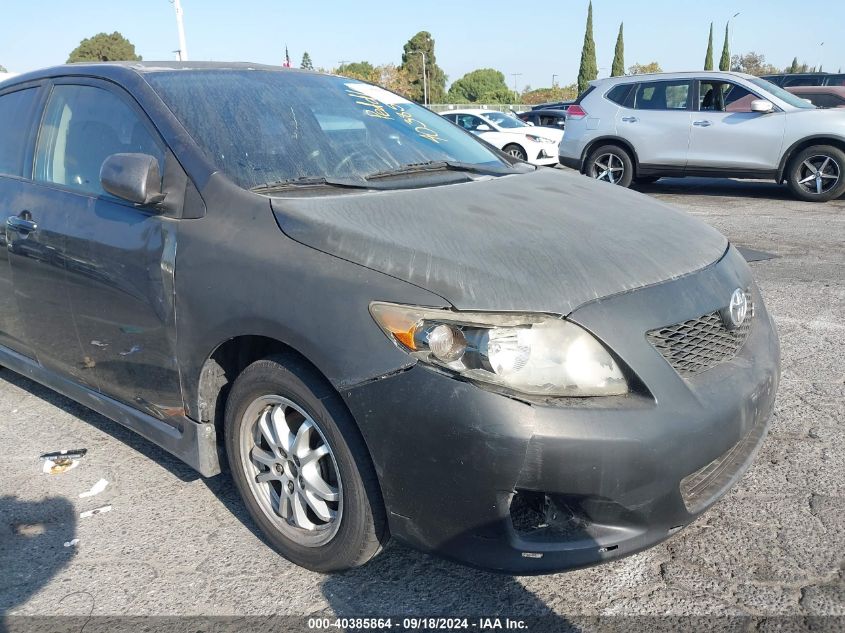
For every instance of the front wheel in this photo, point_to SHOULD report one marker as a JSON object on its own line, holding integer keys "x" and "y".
{"x": 610, "y": 163}
{"x": 302, "y": 468}
{"x": 817, "y": 174}
{"x": 516, "y": 151}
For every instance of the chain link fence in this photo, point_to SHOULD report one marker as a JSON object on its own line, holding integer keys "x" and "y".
{"x": 501, "y": 107}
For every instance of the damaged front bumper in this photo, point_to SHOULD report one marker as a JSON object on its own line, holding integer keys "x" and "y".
{"x": 525, "y": 487}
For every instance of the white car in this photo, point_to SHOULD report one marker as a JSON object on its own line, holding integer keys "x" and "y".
{"x": 538, "y": 146}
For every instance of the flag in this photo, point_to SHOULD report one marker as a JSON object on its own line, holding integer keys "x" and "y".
{"x": 287, "y": 58}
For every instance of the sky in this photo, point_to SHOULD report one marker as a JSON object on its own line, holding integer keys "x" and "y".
{"x": 535, "y": 39}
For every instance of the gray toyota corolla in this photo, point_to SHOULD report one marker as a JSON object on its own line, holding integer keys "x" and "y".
{"x": 383, "y": 324}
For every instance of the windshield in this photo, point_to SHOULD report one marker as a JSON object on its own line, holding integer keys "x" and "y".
{"x": 780, "y": 93}
{"x": 262, "y": 127}
{"x": 503, "y": 120}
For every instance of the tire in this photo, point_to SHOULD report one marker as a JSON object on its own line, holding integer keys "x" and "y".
{"x": 610, "y": 163}
{"x": 516, "y": 151}
{"x": 335, "y": 513}
{"x": 646, "y": 180}
{"x": 817, "y": 174}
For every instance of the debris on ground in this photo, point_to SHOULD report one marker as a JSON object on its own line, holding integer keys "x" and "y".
{"x": 72, "y": 542}
{"x": 96, "y": 489}
{"x": 90, "y": 513}
{"x": 58, "y": 462}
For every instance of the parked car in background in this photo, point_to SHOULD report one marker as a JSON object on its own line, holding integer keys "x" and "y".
{"x": 553, "y": 105}
{"x": 393, "y": 329}
{"x": 821, "y": 96}
{"x": 554, "y": 119}
{"x": 785, "y": 80}
{"x": 731, "y": 125}
{"x": 509, "y": 134}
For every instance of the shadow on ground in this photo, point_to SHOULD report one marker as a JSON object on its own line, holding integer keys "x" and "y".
{"x": 34, "y": 532}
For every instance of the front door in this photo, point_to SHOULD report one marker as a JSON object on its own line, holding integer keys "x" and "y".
{"x": 117, "y": 258}
{"x": 18, "y": 109}
{"x": 655, "y": 119}
{"x": 726, "y": 134}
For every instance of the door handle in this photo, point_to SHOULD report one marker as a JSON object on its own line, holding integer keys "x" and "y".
{"x": 22, "y": 223}
{"x": 702, "y": 123}
{"x": 630, "y": 119}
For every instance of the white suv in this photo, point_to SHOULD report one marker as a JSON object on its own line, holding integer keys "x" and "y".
{"x": 639, "y": 128}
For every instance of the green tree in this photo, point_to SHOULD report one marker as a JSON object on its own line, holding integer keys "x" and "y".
{"x": 306, "y": 63}
{"x": 412, "y": 65}
{"x": 725, "y": 61}
{"x": 3, "y": 69}
{"x": 793, "y": 68}
{"x": 588, "y": 70}
{"x": 618, "y": 67}
{"x": 363, "y": 71}
{"x": 645, "y": 69}
{"x": 484, "y": 85}
{"x": 104, "y": 48}
{"x": 708, "y": 58}
{"x": 547, "y": 95}
{"x": 753, "y": 64}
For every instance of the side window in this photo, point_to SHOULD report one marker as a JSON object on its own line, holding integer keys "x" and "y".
{"x": 15, "y": 111}
{"x": 662, "y": 95}
{"x": 82, "y": 126}
{"x": 803, "y": 80}
{"x": 469, "y": 122}
{"x": 718, "y": 96}
{"x": 619, "y": 93}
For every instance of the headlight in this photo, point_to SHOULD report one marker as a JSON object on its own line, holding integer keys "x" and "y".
{"x": 539, "y": 139}
{"x": 534, "y": 354}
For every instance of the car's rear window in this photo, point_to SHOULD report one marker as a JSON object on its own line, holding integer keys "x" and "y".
{"x": 15, "y": 112}
{"x": 262, "y": 126}
{"x": 618, "y": 94}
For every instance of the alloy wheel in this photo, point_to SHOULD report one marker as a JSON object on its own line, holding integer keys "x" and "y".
{"x": 819, "y": 174}
{"x": 609, "y": 168}
{"x": 291, "y": 470}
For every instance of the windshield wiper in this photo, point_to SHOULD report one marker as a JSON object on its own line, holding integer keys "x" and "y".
{"x": 438, "y": 165}
{"x": 308, "y": 181}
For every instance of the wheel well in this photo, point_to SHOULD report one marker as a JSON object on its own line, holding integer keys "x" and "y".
{"x": 802, "y": 145}
{"x": 514, "y": 144}
{"x": 226, "y": 363}
{"x": 610, "y": 141}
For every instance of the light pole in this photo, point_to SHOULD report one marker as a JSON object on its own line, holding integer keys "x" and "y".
{"x": 515, "y": 75}
{"x": 730, "y": 36}
{"x": 553, "y": 80}
{"x": 425, "y": 80}
{"x": 183, "y": 47}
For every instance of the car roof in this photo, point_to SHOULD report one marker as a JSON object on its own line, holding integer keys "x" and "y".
{"x": 124, "y": 70}
{"x": 690, "y": 74}
{"x": 556, "y": 111}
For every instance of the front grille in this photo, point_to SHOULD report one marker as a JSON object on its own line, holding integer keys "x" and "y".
{"x": 693, "y": 346}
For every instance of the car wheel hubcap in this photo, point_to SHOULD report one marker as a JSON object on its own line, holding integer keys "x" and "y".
{"x": 516, "y": 153}
{"x": 291, "y": 470}
{"x": 608, "y": 167}
{"x": 819, "y": 174}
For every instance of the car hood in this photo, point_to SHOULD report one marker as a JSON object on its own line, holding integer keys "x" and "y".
{"x": 545, "y": 241}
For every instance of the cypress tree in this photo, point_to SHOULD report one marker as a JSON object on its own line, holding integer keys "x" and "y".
{"x": 589, "y": 68}
{"x": 794, "y": 67}
{"x": 725, "y": 62}
{"x": 708, "y": 59}
{"x": 618, "y": 67}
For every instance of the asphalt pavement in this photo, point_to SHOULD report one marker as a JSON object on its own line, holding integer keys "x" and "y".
{"x": 769, "y": 556}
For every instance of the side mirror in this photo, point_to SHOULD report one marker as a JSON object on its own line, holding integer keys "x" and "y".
{"x": 483, "y": 128}
{"x": 132, "y": 177}
{"x": 762, "y": 105}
